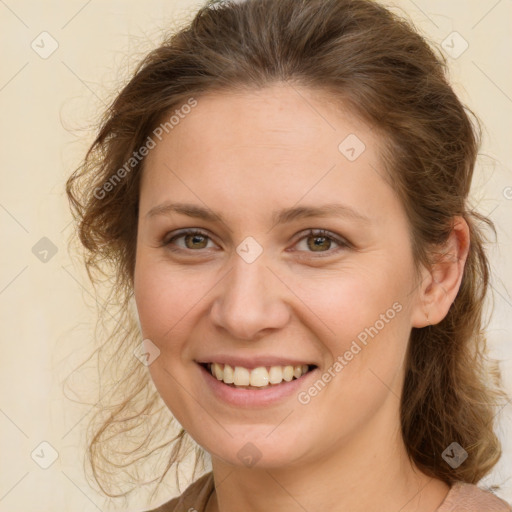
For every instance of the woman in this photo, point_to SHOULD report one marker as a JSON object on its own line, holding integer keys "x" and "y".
{"x": 281, "y": 191}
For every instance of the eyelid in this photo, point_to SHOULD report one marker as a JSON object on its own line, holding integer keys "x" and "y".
{"x": 184, "y": 232}
{"x": 320, "y": 232}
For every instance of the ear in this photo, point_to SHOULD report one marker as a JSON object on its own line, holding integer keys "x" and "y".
{"x": 441, "y": 283}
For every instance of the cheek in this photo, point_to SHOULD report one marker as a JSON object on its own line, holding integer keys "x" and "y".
{"x": 167, "y": 299}
{"x": 350, "y": 300}
{"x": 362, "y": 320}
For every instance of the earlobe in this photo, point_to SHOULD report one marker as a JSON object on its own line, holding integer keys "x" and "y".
{"x": 441, "y": 283}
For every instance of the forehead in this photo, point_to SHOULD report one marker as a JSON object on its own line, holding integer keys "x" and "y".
{"x": 280, "y": 118}
{"x": 281, "y": 142}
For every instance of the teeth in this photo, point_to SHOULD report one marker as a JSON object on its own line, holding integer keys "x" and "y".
{"x": 288, "y": 373}
{"x": 241, "y": 375}
{"x": 275, "y": 374}
{"x": 229, "y": 374}
{"x": 218, "y": 372}
{"x": 258, "y": 377}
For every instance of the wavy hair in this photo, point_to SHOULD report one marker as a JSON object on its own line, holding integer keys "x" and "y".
{"x": 376, "y": 63}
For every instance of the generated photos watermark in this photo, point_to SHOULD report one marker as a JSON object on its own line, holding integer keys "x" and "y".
{"x": 304, "y": 397}
{"x": 143, "y": 151}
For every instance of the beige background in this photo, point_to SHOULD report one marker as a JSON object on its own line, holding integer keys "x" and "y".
{"x": 47, "y": 313}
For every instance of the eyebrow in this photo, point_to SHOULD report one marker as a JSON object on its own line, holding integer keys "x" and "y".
{"x": 283, "y": 216}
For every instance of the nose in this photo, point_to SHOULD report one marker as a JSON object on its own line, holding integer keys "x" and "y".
{"x": 251, "y": 300}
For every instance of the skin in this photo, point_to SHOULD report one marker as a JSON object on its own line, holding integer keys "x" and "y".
{"x": 244, "y": 155}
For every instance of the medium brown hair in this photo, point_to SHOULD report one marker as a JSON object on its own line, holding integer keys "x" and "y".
{"x": 376, "y": 64}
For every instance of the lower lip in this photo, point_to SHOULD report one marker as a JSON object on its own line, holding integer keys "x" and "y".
{"x": 250, "y": 398}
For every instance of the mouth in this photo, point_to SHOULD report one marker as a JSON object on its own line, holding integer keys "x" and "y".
{"x": 262, "y": 377}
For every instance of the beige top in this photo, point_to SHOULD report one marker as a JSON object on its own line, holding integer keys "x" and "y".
{"x": 461, "y": 497}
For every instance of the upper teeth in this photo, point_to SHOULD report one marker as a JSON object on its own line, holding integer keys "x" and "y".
{"x": 259, "y": 377}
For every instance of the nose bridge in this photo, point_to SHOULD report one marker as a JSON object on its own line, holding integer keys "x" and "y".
{"x": 250, "y": 297}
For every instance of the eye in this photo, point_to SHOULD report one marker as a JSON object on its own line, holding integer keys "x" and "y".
{"x": 319, "y": 239}
{"x": 193, "y": 239}
{"x": 316, "y": 241}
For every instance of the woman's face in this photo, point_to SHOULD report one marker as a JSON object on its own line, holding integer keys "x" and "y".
{"x": 264, "y": 292}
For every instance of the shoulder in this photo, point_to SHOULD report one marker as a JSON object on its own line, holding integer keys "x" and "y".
{"x": 464, "y": 497}
{"x": 194, "y": 498}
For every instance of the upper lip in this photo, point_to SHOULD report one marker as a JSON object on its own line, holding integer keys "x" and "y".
{"x": 253, "y": 361}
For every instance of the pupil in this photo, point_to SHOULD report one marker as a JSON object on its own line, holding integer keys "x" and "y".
{"x": 196, "y": 239}
{"x": 319, "y": 244}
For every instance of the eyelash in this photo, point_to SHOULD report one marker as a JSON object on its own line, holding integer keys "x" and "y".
{"x": 317, "y": 233}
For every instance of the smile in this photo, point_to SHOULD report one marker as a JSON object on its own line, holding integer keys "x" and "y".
{"x": 257, "y": 378}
